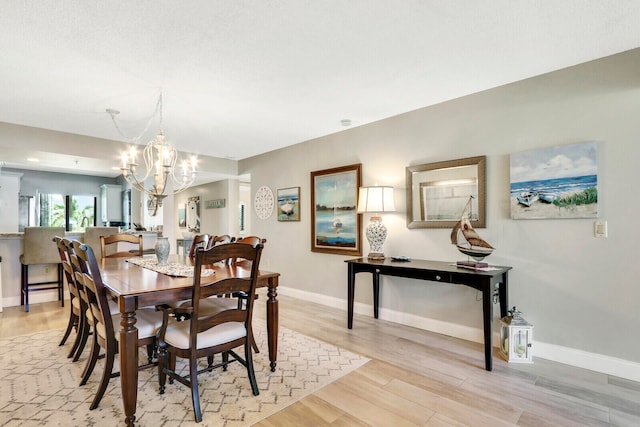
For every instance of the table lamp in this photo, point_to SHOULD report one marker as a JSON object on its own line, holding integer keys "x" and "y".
{"x": 376, "y": 200}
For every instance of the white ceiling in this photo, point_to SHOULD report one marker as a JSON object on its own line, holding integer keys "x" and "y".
{"x": 240, "y": 78}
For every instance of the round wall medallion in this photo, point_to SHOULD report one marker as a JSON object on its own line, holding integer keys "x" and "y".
{"x": 263, "y": 202}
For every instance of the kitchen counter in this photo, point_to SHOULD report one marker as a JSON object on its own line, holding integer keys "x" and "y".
{"x": 10, "y": 251}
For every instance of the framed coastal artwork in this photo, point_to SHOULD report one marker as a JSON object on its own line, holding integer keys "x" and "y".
{"x": 289, "y": 204}
{"x": 193, "y": 214}
{"x": 182, "y": 216}
{"x": 555, "y": 182}
{"x": 335, "y": 223}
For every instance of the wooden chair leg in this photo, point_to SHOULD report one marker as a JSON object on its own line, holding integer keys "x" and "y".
{"x": 73, "y": 322}
{"x": 79, "y": 331}
{"x": 60, "y": 285}
{"x": 250, "y": 371}
{"x": 84, "y": 333}
{"x": 24, "y": 292}
{"x": 225, "y": 360}
{"x": 150, "y": 351}
{"x": 106, "y": 376}
{"x": 195, "y": 397}
{"x": 91, "y": 362}
{"x": 162, "y": 364}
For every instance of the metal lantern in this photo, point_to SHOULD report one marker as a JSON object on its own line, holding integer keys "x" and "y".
{"x": 516, "y": 337}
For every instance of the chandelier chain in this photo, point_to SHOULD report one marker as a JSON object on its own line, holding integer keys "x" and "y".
{"x": 136, "y": 139}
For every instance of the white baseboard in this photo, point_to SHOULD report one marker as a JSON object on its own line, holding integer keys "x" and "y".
{"x": 569, "y": 356}
{"x": 35, "y": 298}
{"x": 592, "y": 361}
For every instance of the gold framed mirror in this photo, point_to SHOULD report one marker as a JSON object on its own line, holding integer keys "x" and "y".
{"x": 438, "y": 192}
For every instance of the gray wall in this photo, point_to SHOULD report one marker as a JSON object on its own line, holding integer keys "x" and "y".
{"x": 580, "y": 292}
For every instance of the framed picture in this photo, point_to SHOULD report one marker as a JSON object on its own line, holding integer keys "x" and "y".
{"x": 193, "y": 214}
{"x": 289, "y": 204}
{"x": 438, "y": 193}
{"x": 555, "y": 182}
{"x": 182, "y": 216}
{"x": 335, "y": 223}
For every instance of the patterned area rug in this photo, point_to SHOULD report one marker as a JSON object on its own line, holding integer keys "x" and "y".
{"x": 39, "y": 385}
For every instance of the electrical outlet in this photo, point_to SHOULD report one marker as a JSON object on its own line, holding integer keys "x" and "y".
{"x": 600, "y": 228}
{"x": 46, "y": 270}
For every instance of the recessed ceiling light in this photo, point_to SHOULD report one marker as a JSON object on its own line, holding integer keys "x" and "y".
{"x": 32, "y": 159}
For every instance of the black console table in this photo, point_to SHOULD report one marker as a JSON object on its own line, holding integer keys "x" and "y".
{"x": 436, "y": 271}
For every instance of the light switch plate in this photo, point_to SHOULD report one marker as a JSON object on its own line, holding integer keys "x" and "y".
{"x": 600, "y": 228}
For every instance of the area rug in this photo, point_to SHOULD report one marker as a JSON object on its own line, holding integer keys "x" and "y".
{"x": 39, "y": 384}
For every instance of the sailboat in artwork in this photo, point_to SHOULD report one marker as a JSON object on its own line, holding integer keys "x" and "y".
{"x": 467, "y": 240}
{"x": 337, "y": 221}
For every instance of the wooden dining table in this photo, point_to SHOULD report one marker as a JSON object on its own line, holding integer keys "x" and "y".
{"x": 134, "y": 287}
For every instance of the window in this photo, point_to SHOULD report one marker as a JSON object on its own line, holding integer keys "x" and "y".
{"x": 74, "y": 213}
{"x": 81, "y": 212}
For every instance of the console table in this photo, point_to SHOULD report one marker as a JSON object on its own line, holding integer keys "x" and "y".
{"x": 436, "y": 271}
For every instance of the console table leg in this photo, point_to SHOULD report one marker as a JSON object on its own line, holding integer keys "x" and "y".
{"x": 376, "y": 292}
{"x": 350, "y": 295}
{"x": 487, "y": 314}
{"x": 503, "y": 295}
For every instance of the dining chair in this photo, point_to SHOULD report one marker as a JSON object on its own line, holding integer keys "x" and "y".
{"x": 251, "y": 240}
{"x": 76, "y": 311}
{"x": 87, "y": 321}
{"x": 92, "y": 238}
{"x": 224, "y": 238}
{"x": 39, "y": 248}
{"x": 105, "y": 326}
{"x": 199, "y": 241}
{"x": 206, "y": 335}
{"x": 119, "y": 240}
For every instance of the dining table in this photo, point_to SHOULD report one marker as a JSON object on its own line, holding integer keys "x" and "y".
{"x": 134, "y": 286}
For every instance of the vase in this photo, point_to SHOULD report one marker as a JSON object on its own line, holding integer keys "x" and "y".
{"x": 162, "y": 250}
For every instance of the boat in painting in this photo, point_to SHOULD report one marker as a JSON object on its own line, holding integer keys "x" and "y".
{"x": 467, "y": 240}
{"x": 337, "y": 221}
{"x": 547, "y": 196}
{"x": 287, "y": 207}
{"x": 527, "y": 198}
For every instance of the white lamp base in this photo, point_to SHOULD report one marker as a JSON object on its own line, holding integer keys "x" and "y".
{"x": 376, "y": 235}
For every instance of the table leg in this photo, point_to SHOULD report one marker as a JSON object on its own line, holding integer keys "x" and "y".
{"x": 503, "y": 295}
{"x": 351, "y": 279}
{"x": 272, "y": 321}
{"x": 487, "y": 314}
{"x": 129, "y": 365}
{"x": 376, "y": 292}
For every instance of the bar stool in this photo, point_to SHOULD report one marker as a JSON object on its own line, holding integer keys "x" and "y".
{"x": 92, "y": 238}
{"x": 39, "y": 248}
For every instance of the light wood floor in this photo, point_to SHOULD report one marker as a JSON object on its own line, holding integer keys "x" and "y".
{"x": 418, "y": 378}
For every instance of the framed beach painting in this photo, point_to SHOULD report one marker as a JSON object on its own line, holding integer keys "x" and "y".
{"x": 289, "y": 204}
{"x": 335, "y": 223}
{"x": 555, "y": 182}
{"x": 182, "y": 216}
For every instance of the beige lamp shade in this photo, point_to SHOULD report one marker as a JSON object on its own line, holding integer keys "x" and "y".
{"x": 376, "y": 199}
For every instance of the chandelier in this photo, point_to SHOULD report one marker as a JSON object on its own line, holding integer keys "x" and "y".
{"x": 160, "y": 159}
